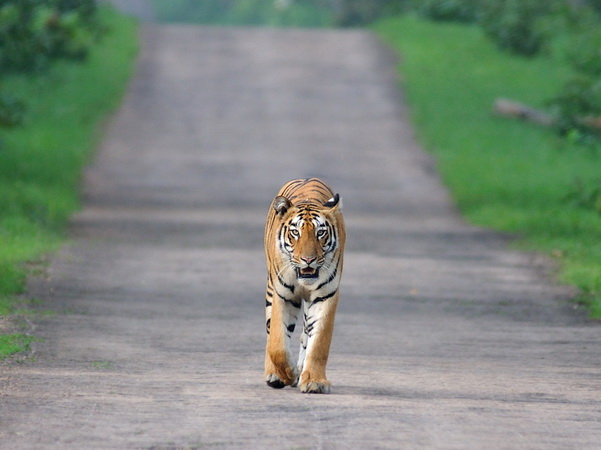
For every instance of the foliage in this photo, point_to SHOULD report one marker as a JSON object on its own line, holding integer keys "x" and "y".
{"x": 297, "y": 13}
{"x": 585, "y": 50}
{"x": 12, "y": 110}
{"x": 351, "y": 13}
{"x": 595, "y": 4}
{"x": 525, "y": 26}
{"x": 578, "y": 107}
{"x": 515, "y": 24}
{"x": 279, "y": 13}
{"x": 448, "y": 10}
{"x": 308, "y": 13}
{"x": 578, "y": 103}
{"x": 505, "y": 175}
{"x": 34, "y": 32}
{"x": 41, "y": 161}
{"x": 566, "y": 30}
{"x": 586, "y": 195}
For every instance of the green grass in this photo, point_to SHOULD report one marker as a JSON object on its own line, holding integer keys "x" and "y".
{"x": 41, "y": 163}
{"x": 14, "y": 343}
{"x": 504, "y": 174}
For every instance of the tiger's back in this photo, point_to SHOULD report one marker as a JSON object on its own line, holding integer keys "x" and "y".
{"x": 304, "y": 245}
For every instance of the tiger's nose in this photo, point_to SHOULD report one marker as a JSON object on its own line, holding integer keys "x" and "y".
{"x": 308, "y": 259}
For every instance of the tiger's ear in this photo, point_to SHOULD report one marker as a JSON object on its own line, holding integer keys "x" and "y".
{"x": 334, "y": 201}
{"x": 281, "y": 204}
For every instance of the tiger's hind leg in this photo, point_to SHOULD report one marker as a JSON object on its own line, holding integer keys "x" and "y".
{"x": 281, "y": 317}
{"x": 318, "y": 329}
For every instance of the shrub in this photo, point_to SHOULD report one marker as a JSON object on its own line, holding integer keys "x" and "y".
{"x": 595, "y": 4}
{"x": 305, "y": 13}
{"x": 578, "y": 107}
{"x": 448, "y": 10}
{"x": 515, "y": 24}
{"x": 350, "y": 13}
{"x": 12, "y": 110}
{"x": 587, "y": 196}
{"x": 33, "y": 32}
{"x": 584, "y": 51}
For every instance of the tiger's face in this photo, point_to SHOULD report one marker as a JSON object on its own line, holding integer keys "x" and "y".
{"x": 307, "y": 237}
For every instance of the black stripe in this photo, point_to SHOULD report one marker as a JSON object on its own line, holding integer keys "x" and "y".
{"x": 319, "y": 189}
{"x": 325, "y": 297}
{"x": 291, "y": 327}
{"x": 329, "y": 280}
{"x": 267, "y": 303}
{"x": 291, "y": 301}
{"x": 282, "y": 239}
{"x": 287, "y": 286}
{"x": 333, "y": 238}
{"x": 268, "y": 325}
{"x": 309, "y": 327}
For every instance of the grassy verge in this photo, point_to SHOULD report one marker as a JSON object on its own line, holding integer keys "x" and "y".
{"x": 504, "y": 174}
{"x": 41, "y": 162}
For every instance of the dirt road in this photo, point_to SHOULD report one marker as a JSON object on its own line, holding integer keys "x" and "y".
{"x": 444, "y": 338}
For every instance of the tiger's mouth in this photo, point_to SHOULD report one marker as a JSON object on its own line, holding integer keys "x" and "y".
{"x": 307, "y": 272}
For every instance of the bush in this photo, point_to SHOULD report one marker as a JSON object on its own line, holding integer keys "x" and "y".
{"x": 34, "y": 32}
{"x": 595, "y": 4}
{"x": 585, "y": 54}
{"x": 12, "y": 110}
{"x": 515, "y": 24}
{"x": 584, "y": 51}
{"x": 449, "y": 10}
{"x": 587, "y": 196}
{"x": 276, "y": 13}
{"x": 579, "y": 107}
{"x": 306, "y": 13}
{"x": 350, "y": 13}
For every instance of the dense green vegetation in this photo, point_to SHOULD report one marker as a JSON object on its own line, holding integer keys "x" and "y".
{"x": 275, "y": 13}
{"x": 245, "y": 12}
{"x": 504, "y": 174}
{"x": 33, "y": 33}
{"x": 41, "y": 161}
{"x": 567, "y": 30}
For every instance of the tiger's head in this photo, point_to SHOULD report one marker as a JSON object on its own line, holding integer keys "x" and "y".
{"x": 309, "y": 236}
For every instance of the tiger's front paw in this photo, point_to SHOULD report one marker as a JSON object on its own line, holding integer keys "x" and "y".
{"x": 315, "y": 387}
{"x": 274, "y": 381}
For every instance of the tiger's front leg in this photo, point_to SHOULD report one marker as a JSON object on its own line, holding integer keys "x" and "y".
{"x": 317, "y": 334}
{"x": 281, "y": 316}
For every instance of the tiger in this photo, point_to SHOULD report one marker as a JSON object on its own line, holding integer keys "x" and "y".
{"x": 304, "y": 245}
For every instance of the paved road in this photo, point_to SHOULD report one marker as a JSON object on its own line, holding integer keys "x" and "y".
{"x": 444, "y": 338}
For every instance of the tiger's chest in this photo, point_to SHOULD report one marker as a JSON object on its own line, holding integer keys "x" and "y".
{"x": 308, "y": 289}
